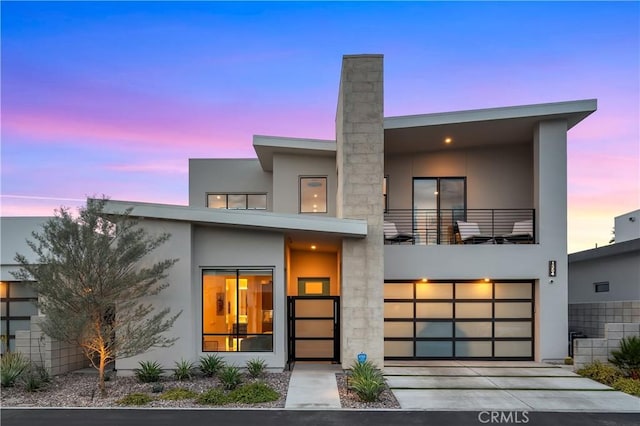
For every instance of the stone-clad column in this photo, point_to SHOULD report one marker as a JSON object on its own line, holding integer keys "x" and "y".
{"x": 360, "y": 163}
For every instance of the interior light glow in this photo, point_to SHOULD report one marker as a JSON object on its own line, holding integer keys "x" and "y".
{"x": 447, "y": 140}
{"x": 313, "y": 247}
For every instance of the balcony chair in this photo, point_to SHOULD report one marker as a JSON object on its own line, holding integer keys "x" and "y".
{"x": 522, "y": 233}
{"x": 470, "y": 234}
{"x": 392, "y": 235}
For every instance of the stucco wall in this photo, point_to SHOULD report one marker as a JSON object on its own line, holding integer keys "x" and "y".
{"x": 621, "y": 271}
{"x": 226, "y": 176}
{"x": 287, "y": 170}
{"x": 497, "y": 176}
{"x": 313, "y": 265}
{"x": 15, "y": 231}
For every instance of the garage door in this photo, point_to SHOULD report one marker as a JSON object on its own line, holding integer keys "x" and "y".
{"x": 459, "y": 320}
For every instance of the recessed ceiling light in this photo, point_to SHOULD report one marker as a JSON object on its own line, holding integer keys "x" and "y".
{"x": 315, "y": 195}
{"x": 217, "y": 197}
{"x": 448, "y": 140}
{"x": 486, "y": 280}
{"x": 313, "y": 247}
{"x": 424, "y": 280}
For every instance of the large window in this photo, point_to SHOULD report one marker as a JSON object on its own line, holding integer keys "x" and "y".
{"x": 17, "y": 305}
{"x": 237, "y": 310}
{"x": 313, "y": 195}
{"x": 237, "y": 201}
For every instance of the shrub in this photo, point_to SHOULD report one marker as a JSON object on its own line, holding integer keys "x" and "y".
{"x": 568, "y": 360}
{"x": 367, "y": 389}
{"x": 212, "y": 397}
{"x": 12, "y": 365}
{"x": 157, "y": 388}
{"x": 627, "y": 385}
{"x": 184, "y": 370}
{"x": 602, "y": 373}
{"x": 35, "y": 377}
{"x": 176, "y": 394}
{"x": 149, "y": 371}
{"x": 627, "y": 358}
{"x": 366, "y": 380}
{"x": 230, "y": 377}
{"x": 135, "y": 399}
{"x": 256, "y": 367}
{"x": 211, "y": 364}
{"x": 253, "y": 393}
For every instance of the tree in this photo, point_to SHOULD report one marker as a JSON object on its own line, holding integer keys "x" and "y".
{"x": 92, "y": 277}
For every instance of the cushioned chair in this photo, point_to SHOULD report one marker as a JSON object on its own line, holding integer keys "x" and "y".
{"x": 392, "y": 235}
{"x": 522, "y": 233}
{"x": 470, "y": 234}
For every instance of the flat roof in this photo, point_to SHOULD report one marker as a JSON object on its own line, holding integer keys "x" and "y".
{"x": 615, "y": 249}
{"x": 491, "y": 126}
{"x": 248, "y": 219}
{"x": 267, "y": 146}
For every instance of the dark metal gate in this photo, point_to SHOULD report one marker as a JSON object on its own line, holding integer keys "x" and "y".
{"x": 314, "y": 328}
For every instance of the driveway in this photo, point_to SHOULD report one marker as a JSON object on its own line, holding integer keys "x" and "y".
{"x": 501, "y": 386}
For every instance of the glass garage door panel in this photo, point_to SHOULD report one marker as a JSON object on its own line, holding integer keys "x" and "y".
{"x": 513, "y": 309}
{"x": 434, "y": 329}
{"x": 434, "y": 349}
{"x": 398, "y": 310}
{"x": 473, "y": 329}
{"x": 473, "y": 349}
{"x": 434, "y": 291}
{"x": 434, "y": 310}
{"x": 513, "y": 349}
{"x": 398, "y": 291}
{"x": 398, "y": 349}
{"x": 398, "y": 329}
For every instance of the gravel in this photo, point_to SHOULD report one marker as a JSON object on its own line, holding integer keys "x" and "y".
{"x": 80, "y": 390}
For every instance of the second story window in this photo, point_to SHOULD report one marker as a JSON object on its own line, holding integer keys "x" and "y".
{"x": 313, "y": 195}
{"x": 237, "y": 201}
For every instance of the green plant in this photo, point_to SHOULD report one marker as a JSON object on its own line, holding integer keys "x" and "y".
{"x": 212, "y": 397}
{"x": 253, "y": 393}
{"x": 211, "y": 364}
{"x": 568, "y": 360}
{"x": 365, "y": 370}
{"x": 135, "y": 399}
{"x": 149, "y": 371}
{"x": 602, "y": 373}
{"x": 256, "y": 367}
{"x": 157, "y": 388}
{"x": 230, "y": 377}
{"x": 627, "y": 385}
{"x": 176, "y": 394}
{"x": 366, "y": 380}
{"x": 368, "y": 389}
{"x": 627, "y": 358}
{"x": 184, "y": 370}
{"x": 12, "y": 365}
{"x": 35, "y": 377}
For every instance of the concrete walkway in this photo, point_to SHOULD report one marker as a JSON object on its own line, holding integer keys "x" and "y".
{"x": 481, "y": 386}
{"x": 313, "y": 386}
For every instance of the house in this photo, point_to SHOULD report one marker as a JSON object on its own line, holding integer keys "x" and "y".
{"x": 435, "y": 236}
{"x": 604, "y": 282}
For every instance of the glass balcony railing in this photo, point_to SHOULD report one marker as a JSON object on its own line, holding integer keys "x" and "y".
{"x": 460, "y": 226}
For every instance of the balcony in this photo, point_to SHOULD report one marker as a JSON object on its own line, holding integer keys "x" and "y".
{"x": 460, "y": 226}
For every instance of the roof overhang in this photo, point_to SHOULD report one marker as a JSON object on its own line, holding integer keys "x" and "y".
{"x": 617, "y": 249}
{"x": 248, "y": 219}
{"x": 267, "y": 146}
{"x": 492, "y": 126}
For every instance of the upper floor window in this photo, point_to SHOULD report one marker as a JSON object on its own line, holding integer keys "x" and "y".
{"x": 237, "y": 201}
{"x": 313, "y": 194}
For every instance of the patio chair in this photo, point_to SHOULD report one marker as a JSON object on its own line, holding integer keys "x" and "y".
{"x": 470, "y": 234}
{"x": 392, "y": 235}
{"x": 522, "y": 233}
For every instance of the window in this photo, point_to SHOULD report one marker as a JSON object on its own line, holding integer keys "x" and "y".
{"x": 17, "y": 305}
{"x": 437, "y": 204}
{"x": 601, "y": 287}
{"x": 237, "y": 201}
{"x": 313, "y": 195}
{"x": 237, "y": 310}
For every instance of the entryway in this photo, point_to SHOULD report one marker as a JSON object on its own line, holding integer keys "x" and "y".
{"x": 314, "y": 328}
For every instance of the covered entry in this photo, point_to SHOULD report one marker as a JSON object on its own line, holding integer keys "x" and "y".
{"x": 459, "y": 320}
{"x": 314, "y": 328}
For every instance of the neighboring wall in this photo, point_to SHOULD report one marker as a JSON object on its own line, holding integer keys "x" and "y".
{"x": 226, "y": 176}
{"x": 499, "y": 176}
{"x": 617, "y": 265}
{"x": 15, "y": 231}
{"x": 287, "y": 170}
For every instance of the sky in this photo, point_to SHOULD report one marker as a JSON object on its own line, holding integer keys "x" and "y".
{"x": 113, "y": 98}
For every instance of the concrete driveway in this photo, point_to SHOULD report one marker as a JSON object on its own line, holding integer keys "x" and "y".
{"x": 500, "y": 386}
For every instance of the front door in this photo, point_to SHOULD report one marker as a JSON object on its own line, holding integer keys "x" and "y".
{"x": 314, "y": 328}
